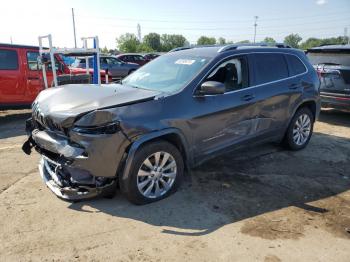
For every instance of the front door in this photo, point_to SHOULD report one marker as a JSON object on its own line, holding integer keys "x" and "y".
{"x": 228, "y": 118}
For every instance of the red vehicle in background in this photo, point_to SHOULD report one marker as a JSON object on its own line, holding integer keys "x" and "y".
{"x": 21, "y": 77}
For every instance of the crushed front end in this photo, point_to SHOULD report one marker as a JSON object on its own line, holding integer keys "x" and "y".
{"x": 78, "y": 162}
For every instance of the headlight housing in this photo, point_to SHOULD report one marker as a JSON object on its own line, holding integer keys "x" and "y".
{"x": 109, "y": 128}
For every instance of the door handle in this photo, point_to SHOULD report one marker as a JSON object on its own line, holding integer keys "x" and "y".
{"x": 33, "y": 78}
{"x": 248, "y": 97}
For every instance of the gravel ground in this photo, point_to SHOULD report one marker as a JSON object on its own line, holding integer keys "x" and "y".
{"x": 259, "y": 204}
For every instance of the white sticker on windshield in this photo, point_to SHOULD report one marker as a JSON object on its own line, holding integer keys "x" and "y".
{"x": 185, "y": 61}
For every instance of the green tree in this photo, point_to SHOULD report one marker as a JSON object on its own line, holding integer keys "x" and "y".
{"x": 128, "y": 43}
{"x": 152, "y": 40}
{"x": 269, "y": 40}
{"x": 169, "y": 42}
{"x": 204, "y": 40}
{"x": 293, "y": 40}
{"x": 243, "y": 42}
{"x": 144, "y": 48}
{"x": 221, "y": 41}
{"x": 104, "y": 50}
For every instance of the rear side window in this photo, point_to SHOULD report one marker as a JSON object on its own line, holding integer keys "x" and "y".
{"x": 8, "y": 60}
{"x": 296, "y": 67}
{"x": 270, "y": 67}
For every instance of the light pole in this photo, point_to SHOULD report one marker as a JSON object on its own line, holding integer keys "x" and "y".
{"x": 255, "y": 25}
{"x": 75, "y": 37}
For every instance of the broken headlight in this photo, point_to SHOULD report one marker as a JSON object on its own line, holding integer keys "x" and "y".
{"x": 109, "y": 128}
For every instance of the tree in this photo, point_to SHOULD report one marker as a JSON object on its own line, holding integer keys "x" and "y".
{"x": 221, "y": 41}
{"x": 169, "y": 42}
{"x": 292, "y": 40}
{"x": 128, "y": 43}
{"x": 204, "y": 40}
{"x": 269, "y": 40}
{"x": 144, "y": 48}
{"x": 152, "y": 40}
{"x": 243, "y": 42}
{"x": 104, "y": 50}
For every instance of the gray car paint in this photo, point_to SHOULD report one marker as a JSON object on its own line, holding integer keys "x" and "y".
{"x": 205, "y": 125}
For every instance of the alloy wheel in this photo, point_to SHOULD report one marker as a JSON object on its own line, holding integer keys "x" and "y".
{"x": 302, "y": 130}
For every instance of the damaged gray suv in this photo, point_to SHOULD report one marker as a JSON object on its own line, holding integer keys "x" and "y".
{"x": 179, "y": 110}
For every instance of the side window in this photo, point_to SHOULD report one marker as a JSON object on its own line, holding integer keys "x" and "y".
{"x": 8, "y": 60}
{"x": 296, "y": 67}
{"x": 32, "y": 61}
{"x": 270, "y": 67}
{"x": 232, "y": 73}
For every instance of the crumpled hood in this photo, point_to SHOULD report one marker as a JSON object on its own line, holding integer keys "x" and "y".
{"x": 69, "y": 101}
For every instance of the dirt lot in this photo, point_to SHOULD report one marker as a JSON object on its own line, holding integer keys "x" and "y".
{"x": 262, "y": 204}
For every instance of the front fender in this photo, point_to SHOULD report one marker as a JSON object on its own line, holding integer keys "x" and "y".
{"x": 148, "y": 137}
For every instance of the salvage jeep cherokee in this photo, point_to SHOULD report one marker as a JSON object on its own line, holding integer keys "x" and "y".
{"x": 179, "y": 110}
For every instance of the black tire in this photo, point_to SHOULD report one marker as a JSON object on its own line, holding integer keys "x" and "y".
{"x": 288, "y": 141}
{"x": 129, "y": 186}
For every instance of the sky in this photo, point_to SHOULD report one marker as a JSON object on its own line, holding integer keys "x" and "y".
{"x": 24, "y": 20}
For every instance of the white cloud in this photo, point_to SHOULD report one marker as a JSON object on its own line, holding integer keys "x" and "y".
{"x": 321, "y": 2}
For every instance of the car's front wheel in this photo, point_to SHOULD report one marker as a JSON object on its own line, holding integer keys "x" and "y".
{"x": 156, "y": 172}
{"x": 300, "y": 129}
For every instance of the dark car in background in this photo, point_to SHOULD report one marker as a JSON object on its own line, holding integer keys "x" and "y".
{"x": 150, "y": 56}
{"x": 178, "y": 111}
{"x": 332, "y": 63}
{"x": 133, "y": 58}
{"x": 117, "y": 69}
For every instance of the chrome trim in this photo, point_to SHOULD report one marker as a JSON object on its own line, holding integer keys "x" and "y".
{"x": 250, "y": 87}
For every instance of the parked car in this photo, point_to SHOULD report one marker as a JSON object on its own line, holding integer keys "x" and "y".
{"x": 332, "y": 62}
{"x": 133, "y": 58}
{"x": 149, "y": 57}
{"x": 177, "y": 111}
{"x": 21, "y": 76}
{"x": 117, "y": 69}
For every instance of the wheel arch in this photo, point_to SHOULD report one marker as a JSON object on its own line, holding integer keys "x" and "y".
{"x": 171, "y": 135}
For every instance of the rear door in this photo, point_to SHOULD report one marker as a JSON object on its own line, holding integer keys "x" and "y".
{"x": 274, "y": 90}
{"x": 12, "y": 87}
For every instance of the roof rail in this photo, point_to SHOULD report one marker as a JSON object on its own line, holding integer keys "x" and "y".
{"x": 236, "y": 46}
{"x": 179, "y": 49}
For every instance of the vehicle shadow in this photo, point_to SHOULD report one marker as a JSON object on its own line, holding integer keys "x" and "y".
{"x": 242, "y": 185}
{"x": 12, "y": 123}
{"x": 335, "y": 117}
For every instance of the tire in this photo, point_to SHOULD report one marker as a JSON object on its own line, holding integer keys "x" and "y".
{"x": 290, "y": 140}
{"x": 140, "y": 173}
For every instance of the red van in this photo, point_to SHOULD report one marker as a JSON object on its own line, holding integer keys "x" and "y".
{"x": 21, "y": 76}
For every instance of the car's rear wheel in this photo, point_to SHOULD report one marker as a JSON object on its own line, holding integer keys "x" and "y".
{"x": 300, "y": 130}
{"x": 156, "y": 172}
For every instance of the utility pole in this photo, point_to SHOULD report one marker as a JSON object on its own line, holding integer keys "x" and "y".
{"x": 346, "y": 38}
{"x": 139, "y": 36}
{"x": 75, "y": 37}
{"x": 255, "y": 25}
{"x": 11, "y": 39}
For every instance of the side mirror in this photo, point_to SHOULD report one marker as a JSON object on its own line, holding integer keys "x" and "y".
{"x": 212, "y": 88}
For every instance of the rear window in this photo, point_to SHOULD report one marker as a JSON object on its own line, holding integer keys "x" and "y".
{"x": 270, "y": 67}
{"x": 8, "y": 60}
{"x": 32, "y": 60}
{"x": 329, "y": 58}
{"x": 296, "y": 67}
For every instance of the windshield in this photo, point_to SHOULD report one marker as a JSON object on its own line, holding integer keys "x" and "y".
{"x": 168, "y": 73}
